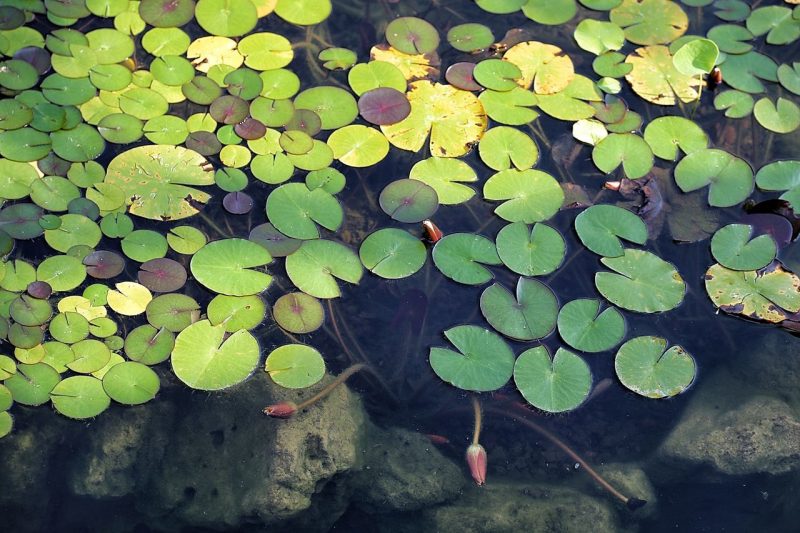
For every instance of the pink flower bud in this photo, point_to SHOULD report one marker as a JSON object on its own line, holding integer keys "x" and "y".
{"x": 476, "y": 459}
{"x": 281, "y": 410}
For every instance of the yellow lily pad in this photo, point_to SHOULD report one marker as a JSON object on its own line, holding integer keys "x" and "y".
{"x": 129, "y": 299}
{"x": 206, "y": 52}
{"x": 656, "y": 79}
{"x": 82, "y": 306}
{"x": 544, "y": 66}
{"x": 413, "y": 66}
{"x": 455, "y": 120}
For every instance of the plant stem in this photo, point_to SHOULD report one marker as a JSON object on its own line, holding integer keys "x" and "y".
{"x": 341, "y": 378}
{"x": 631, "y": 503}
{"x": 476, "y": 407}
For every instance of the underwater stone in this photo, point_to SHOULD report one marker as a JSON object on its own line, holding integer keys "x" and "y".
{"x": 632, "y": 481}
{"x": 404, "y": 472}
{"x": 771, "y": 363}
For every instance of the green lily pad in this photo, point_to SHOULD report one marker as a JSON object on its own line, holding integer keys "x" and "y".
{"x": 553, "y": 385}
{"x": 337, "y": 58}
{"x": 295, "y": 366}
{"x": 781, "y": 176}
{"x": 297, "y": 312}
{"x": 483, "y": 362}
{"x": 295, "y": 211}
{"x": 303, "y": 12}
{"x": 461, "y": 256}
{"x": 531, "y": 252}
{"x": 572, "y": 102}
{"x": 513, "y": 107}
{"x": 598, "y": 37}
{"x": 226, "y": 18}
{"x": 650, "y": 21}
{"x": 186, "y": 239}
{"x": 143, "y": 245}
{"x": 204, "y": 359}
{"x": 445, "y": 176}
{"x": 730, "y": 179}
{"x": 496, "y": 74}
{"x": 408, "y": 200}
{"x": 783, "y": 116}
{"x": 358, "y": 145}
{"x": 770, "y": 295}
{"x": 666, "y": 135}
{"x": 600, "y": 228}
{"x": 745, "y": 72}
{"x": 335, "y": 107}
{"x": 529, "y": 315}
{"x": 80, "y": 397}
{"x": 550, "y": 12}
{"x": 470, "y": 37}
{"x": 69, "y": 327}
{"x": 696, "y": 57}
{"x": 226, "y": 267}
{"x": 74, "y": 230}
{"x": 626, "y": 149}
{"x": 412, "y": 35}
{"x": 155, "y": 180}
{"x": 149, "y": 345}
{"x": 392, "y": 253}
{"x": 236, "y": 312}
{"x": 6, "y": 423}
{"x": 732, "y": 247}
{"x": 131, "y": 383}
{"x": 643, "y": 282}
{"x": 777, "y": 22}
{"x": 531, "y": 195}
{"x": 735, "y": 103}
{"x": 647, "y": 367}
{"x": 375, "y": 74}
{"x": 31, "y": 384}
{"x": 731, "y": 38}
{"x": 585, "y": 328}
{"x": 90, "y": 355}
{"x": 314, "y": 267}
{"x": 502, "y": 146}
{"x": 788, "y": 75}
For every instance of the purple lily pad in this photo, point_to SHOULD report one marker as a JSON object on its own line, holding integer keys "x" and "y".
{"x": 38, "y": 58}
{"x": 459, "y": 75}
{"x": 778, "y": 207}
{"x": 775, "y": 225}
{"x": 306, "y": 121}
{"x": 162, "y": 275}
{"x": 52, "y": 165}
{"x": 229, "y": 109}
{"x": 237, "y": 203}
{"x": 103, "y": 264}
{"x": 166, "y": 13}
{"x": 39, "y": 289}
{"x": 21, "y": 221}
{"x": 250, "y": 129}
{"x": 383, "y": 106}
{"x": 204, "y": 143}
{"x": 409, "y": 200}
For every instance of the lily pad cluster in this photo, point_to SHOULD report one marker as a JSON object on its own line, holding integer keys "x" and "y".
{"x": 116, "y": 141}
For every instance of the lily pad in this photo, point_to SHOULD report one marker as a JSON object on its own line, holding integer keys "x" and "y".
{"x": 384, "y": 106}
{"x": 732, "y": 247}
{"x": 174, "y": 312}
{"x": 643, "y": 282}
{"x": 204, "y": 359}
{"x": 131, "y": 383}
{"x": 236, "y": 312}
{"x": 655, "y": 78}
{"x": 545, "y": 67}
{"x": 647, "y": 367}
{"x": 297, "y": 312}
{"x": 226, "y": 267}
{"x": 357, "y": 145}
{"x": 295, "y": 366}
{"x": 531, "y": 195}
{"x": 730, "y": 178}
{"x": 461, "y": 256}
{"x": 129, "y": 298}
{"x": 226, "y": 18}
{"x": 409, "y": 200}
{"x": 315, "y": 265}
{"x": 666, "y": 135}
{"x": 334, "y": 106}
{"x": 303, "y": 12}
{"x": 600, "y": 228}
{"x": 31, "y": 384}
{"x": 445, "y": 176}
{"x": 392, "y": 253}
{"x": 412, "y": 35}
{"x": 782, "y": 116}
{"x": 598, "y": 37}
{"x": 553, "y": 385}
{"x": 162, "y": 275}
{"x": 295, "y": 210}
{"x": 502, "y": 146}
{"x": 483, "y": 362}
{"x": 80, "y": 397}
{"x": 781, "y": 176}
{"x": 535, "y": 252}
{"x": 745, "y": 72}
{"x": 650, "y": 21}
{"x": 149, "y": 345}
{"x": 626, "y": 149}
{"x": 771, "y": 294}
{"x": 585, "y": 328}
{"x": 529, "y": 315}
{"x": 696, "y": 57}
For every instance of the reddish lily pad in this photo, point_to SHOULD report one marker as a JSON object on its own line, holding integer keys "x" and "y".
{"x": 104, "y": 264}
{"x": 162, "y": 275}
{"x": 409, "y": 200}
{"x": 384, "y": 105}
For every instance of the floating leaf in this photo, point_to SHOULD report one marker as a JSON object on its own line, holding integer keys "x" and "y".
{"x": 666, "y": 135}
{"x": 655, "y": 78}
{"x": 129, "y": 299}
{"x": 80, "y": 397}
{"x": 643, "y": 282}
{"x": 162, "y": 275}
{"x": 550, "y": 12}
{"x": 445, "y": 175}
{"x": 732, "y": 247}
{"x": 409, "y": 200}
{"x": 383, "y": 106}
{"x": 236, "y": 312}
{"x": 298, "y": 312}
{"x": 483, "y": 362}
{"x": 585, "y": 328}
{"x": 529, "y": 315}
{"x": 461, "y": 256}
{"x": 295, "y": 366}
{"x": 31, "y": 384}
{"x": 783, "y": 116}
{"x": 226, "y": 267}
{"x": 535, "y": 252}
{"x": 600, "y": 228}
{"x": 545, "y": 67}
{"x": 497, "y": 74}
{"x": 334, "y": 106}
{"x": 358, "y": 145}
{"x": 315, "y": 265}
{"x": 412, "y": 35}
{"x": 696, "y": 57}
{"x": 303, "y": 12}
{"x": 204, "y": 359}
{"x": 131, "y": 383}
{"x": 226, "y": 18}
{"x": 149, "y": 345}
{"x": 745, "y": 71}
{"x": 295, "y": 211}
{"x": 730, "y": 179}
{"x": 531, "y": 195}
{"x": 392, "y": 253}
{"x": 626, "y": 149}
{"x": 470, "y": 37}
{"x": 647, "y": 367}
{"x": 781, "y": 176}
{"x": 778, "y": 22}
{"x": 650, "y": 21}
{"x": 553, "y": 385}
{"x": 598, "y": 37}
{"x": 503, "y": 146}
{"x": 769, "y": 295}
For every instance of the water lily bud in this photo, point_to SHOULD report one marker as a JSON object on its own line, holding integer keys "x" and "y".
{"x": 476, "y": 459}
{"x": 281, "y": 410}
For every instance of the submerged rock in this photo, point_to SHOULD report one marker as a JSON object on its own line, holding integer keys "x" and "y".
{"x": 735, "y": 430}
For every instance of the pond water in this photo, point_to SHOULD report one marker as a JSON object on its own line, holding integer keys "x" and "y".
{"x": 718, "y": 450}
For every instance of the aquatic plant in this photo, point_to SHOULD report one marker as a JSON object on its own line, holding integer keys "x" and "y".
{"x": 161, "y": 166}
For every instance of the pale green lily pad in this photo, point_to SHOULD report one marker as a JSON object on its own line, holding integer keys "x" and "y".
{"x": 236, "y": 312}
{"x": 736, "y": 104}
{"x": 642, "y": 282}
{"x": 585, "y": 328}
{"x": 732, "y": 247}
{"x": 528, "y": 315}
{"x": 770, "y": 295}
{"x": 445, "y": 175}
{"x": 553, "y": 385}
{"x": 131, "y": 383}
{"x": 781, "y": 176}
{"x": 783, "y": 116}
{"x": 295, "y": 211}
{"x": 461, "y": 256}
{"x": 647, "y": 367}
{"x": 666, "y": 135}
{"x": 598, "y": 36}
{"x": 392, "y": 253}
{"x": 483, "y": 361}
{"x": 696, "y": 57}
{"x": 650, "y": 21}
{"x": 626, "y": 149}
{"x": 550, "y": 12}
{"x": 600, "y": 228}
{"x": 531, "y": 252}
{"x": 226, "y": 267}
{"x": 316, "y": 265}
{"x": 295, "y": 366}
{"x": 730, "y": 178}
{"x": 530, "y": 195}
{"x": 502, "y": 146}
{"x": 80, "y": 397}
{"x": 204, "y": 359}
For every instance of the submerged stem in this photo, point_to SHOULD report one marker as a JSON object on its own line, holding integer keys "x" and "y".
{"x": 476, "y": 407}
{"x": 341, "y": 378}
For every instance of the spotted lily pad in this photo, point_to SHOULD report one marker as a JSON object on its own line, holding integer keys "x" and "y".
{"x": 647, "y": 367}
{"x": 545, "y": 67}
{"x": 771, "y": 294}
{"x": 655, "y": 78}
{"x": 483, "y": 361}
